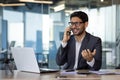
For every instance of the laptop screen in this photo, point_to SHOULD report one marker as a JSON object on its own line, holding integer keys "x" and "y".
{"x": 25, "y": 59}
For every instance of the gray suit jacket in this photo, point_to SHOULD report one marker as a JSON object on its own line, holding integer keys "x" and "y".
{"x": 67, "y": 54}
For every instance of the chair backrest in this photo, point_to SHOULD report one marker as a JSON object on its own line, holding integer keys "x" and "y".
{"x": 12, "y": 44}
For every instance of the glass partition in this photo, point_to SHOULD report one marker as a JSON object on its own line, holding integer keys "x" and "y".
{"x": 1, "y": 14}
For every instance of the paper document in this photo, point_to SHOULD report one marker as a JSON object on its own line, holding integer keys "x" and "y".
{"x": 66, "y": 73}
{"x": 105, "y": 72}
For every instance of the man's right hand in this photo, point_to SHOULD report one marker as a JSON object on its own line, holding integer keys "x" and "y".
{"x": 66, "y": 36}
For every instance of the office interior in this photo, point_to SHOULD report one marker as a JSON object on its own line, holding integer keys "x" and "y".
{"x": 40, "y": 24}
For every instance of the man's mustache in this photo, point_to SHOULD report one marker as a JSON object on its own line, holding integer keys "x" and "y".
{"x": 75, "y": 28}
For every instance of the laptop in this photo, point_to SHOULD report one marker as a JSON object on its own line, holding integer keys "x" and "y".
{"x": 25, "y": 60}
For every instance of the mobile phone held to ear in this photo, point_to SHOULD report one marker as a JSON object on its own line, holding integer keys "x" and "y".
{"x": 68, "y": 33}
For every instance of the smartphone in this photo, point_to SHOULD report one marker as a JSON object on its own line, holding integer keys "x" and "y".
{"x": 83, "y": 72}
{"x": 68, "y": 33}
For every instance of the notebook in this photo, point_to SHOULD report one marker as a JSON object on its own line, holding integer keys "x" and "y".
{"x": 25, "y": 60}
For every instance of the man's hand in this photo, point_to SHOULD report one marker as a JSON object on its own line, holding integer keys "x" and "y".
{"x": 66, "y": 36}
{"x": 88, "y": 55}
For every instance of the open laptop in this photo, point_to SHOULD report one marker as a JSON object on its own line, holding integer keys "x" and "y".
{"x": 25, "y": 60}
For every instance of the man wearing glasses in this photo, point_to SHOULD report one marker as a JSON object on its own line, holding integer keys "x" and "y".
{"x": 79, "y": 49}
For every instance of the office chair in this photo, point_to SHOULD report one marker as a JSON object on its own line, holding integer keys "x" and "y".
{"x": 8, "y": 62}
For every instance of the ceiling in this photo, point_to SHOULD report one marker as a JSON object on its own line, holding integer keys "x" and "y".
{"x": 73, "y": 4}
{"x": 68, "y": 2}
{"x": 86, "y": 3}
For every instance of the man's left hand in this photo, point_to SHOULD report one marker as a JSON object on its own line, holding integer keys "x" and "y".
{"x": 88, "y": 55}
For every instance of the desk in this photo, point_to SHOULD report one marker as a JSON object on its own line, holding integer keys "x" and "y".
{"x": 52, "y": 76}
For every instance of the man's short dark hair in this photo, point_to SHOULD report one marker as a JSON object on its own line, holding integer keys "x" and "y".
{"x": 82, "y": 15}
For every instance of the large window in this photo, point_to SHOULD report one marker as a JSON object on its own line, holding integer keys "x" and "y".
{"x": 16, "y": 33}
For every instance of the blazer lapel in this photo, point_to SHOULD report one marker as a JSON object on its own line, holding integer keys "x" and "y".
{"x": 72, "y": 51}
{"x": 83, "y": 45}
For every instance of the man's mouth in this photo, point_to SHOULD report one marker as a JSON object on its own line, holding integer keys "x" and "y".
{"x": 76, "y": 30}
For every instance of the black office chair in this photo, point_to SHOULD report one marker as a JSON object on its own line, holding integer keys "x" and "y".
{"x": 8, "y": 61}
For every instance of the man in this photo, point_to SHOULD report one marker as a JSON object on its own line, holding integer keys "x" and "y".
{"x": 80, "y": 50}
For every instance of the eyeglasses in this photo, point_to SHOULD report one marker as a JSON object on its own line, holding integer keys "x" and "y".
{"x": 75, "y": 23}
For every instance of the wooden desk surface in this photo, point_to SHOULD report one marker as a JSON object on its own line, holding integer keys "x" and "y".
{"x": 6, "y": 75}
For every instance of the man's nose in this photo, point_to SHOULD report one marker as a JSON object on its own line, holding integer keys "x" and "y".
{"x": 74, "y": 26}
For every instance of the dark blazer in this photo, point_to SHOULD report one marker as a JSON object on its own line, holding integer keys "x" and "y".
{"x": 67, "y": 54}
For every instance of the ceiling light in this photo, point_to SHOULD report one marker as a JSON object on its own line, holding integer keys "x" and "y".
{"x": 38, "y": 1}
{"x": 102, "y": 0}
{"x": 12, "y": 4}
{"x": 59, "y": 7}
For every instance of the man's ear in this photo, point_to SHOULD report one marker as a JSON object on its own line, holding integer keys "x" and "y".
{"x": 86, "y": 24}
